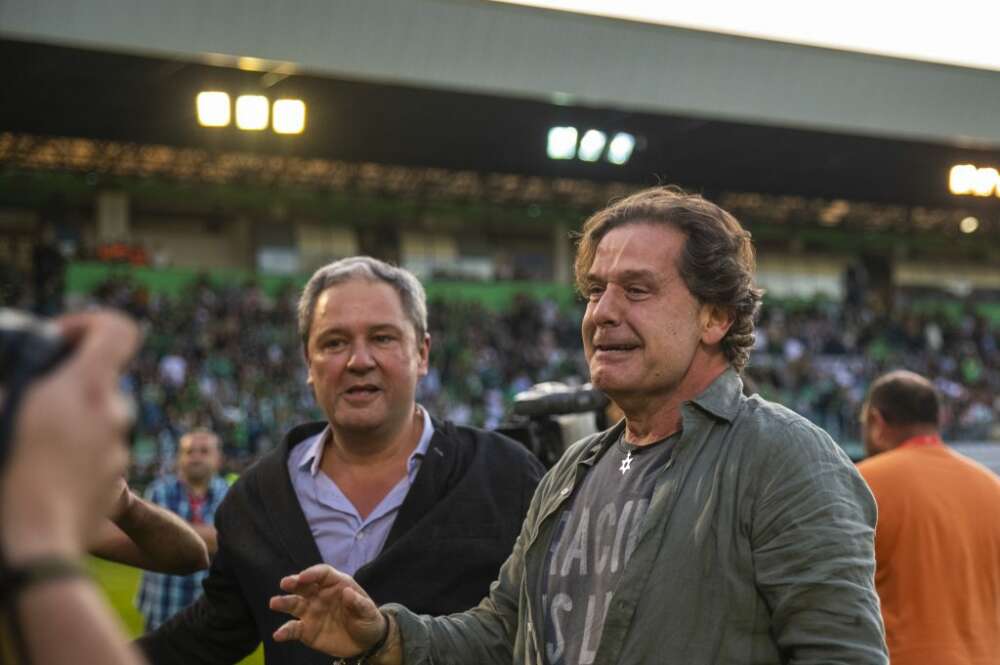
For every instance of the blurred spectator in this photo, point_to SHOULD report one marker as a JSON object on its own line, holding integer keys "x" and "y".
{"x": 194, "y": 493}
{"x": 937, "y": 543}
{"x": 49, "y": 268}
{"x": 223, "y": 357}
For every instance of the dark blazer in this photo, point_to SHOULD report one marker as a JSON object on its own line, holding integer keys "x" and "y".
{"x": 455, "y": 528}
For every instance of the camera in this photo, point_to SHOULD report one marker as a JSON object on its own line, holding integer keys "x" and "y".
{"x": 29, "y": 348}
{"x": 549, "y": 416}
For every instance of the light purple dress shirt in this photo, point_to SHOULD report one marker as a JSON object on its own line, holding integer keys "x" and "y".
{"x": 345, "y": 540}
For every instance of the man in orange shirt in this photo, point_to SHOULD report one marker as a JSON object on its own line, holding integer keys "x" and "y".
{"x": 937, "y": 543}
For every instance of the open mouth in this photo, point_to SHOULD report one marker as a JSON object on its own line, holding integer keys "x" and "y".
{"x": 612, "y": 348}
{"x": 361, "y": 391}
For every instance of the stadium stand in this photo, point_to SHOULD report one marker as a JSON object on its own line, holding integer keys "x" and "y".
{"x": 225, "y": 357}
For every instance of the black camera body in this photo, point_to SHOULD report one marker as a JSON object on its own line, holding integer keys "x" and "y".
{"x": 538, "y": 412}
{"x": 29, "y": 348}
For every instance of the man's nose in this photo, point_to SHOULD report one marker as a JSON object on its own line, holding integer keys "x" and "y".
{"x": 361, "y": 358}
{"x": 607, "y": 311}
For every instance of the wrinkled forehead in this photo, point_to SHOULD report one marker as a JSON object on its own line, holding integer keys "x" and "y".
{"x": 638, "y": 247}
{"x": 362, "y": 303}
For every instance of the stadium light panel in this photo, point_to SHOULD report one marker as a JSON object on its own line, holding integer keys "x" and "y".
{"x": 621, "y": 147}
{"x": 562, "y": 143}
{"x": 288, "y": 116}
{"x": 213, "y": 109}
{"x": 969, "y": 225}
{"x": 967, "y": 179}
{"x": 592, "y": 145}
{"x": 961, "y": 178}
{"x": 251, "y": 112}
{"x": 985, "y": 182}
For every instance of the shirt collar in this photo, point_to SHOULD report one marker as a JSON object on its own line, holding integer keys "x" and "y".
{"x": 425, "y": 440}
{"x": 722, "y": 397}
{"x": 923, "y": 441}
{"x": 315, "y": 446}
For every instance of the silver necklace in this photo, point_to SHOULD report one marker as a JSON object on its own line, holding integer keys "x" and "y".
{"x": 626, "y": 464}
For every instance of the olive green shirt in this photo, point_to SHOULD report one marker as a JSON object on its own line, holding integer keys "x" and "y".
{"x": 757, "y": 547}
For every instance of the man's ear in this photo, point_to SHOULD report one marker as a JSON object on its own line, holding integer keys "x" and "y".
{"x": 715, "y": 323}
{"x": 424, "y": 349}
{"x": 305, "y": 357}
{"x": 874, "y": 417}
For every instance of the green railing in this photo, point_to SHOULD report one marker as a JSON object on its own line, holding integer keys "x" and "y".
{"x": 84, "y": 277}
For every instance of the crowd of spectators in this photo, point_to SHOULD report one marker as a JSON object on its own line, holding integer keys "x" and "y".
{"x": 818, "y": 359}
{"x": 228, "y": 358}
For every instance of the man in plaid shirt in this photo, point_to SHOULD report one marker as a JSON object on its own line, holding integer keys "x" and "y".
{"x": 194, "y": 493}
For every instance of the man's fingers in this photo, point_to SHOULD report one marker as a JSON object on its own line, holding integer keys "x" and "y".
{"x": 290, "y": 630}
{"x": 287, "y": 604}
{"x": 289, "y": 584}
{"x": 104, "y": 340}
{"x": 295, "y": 584}
{"x": 322, "y": 574}
{"x": 314, "y": 578}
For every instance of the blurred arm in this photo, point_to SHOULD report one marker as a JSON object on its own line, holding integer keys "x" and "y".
{"x": 139, "y": 533}
{"x": 217, "y": 629}
{"x": 68, "y": 621}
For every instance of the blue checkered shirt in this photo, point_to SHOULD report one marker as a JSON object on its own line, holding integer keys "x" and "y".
{"x": 161, "y": 596}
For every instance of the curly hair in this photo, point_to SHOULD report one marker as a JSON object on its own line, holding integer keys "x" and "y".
{"x": 717, "y": 263}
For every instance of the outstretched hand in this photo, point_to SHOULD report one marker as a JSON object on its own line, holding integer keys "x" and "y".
{"x": 332, "y": 613}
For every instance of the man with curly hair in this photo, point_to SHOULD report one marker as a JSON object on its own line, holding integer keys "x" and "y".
{"x": 706, "y": 527}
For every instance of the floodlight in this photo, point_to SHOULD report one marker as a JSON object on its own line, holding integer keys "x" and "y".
{"x": 213, "y": 109}
{"x": 288, "y": 116}
{"x": 961, "y": 178}
{"x": 621, "y": 148}
{"x": 985, "y": 182}
{"x": 592, "y": 145}
{"x": 969, "y": 225}
{"x": 251, "y": 112}
{"x": 562, "y": 143}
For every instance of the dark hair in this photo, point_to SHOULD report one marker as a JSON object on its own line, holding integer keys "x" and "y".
{"x": 410, "y": 290}
{"x": 717, "y": 263}
{"x": 905, "y": 398}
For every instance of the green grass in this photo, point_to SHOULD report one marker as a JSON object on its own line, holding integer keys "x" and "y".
{"x": 120, "y": 584}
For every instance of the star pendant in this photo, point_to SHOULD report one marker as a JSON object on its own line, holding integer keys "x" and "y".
{"x": 626, "y": 463}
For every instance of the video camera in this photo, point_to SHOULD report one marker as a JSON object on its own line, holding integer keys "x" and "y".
{"x": 549, "y": 416}
{"x": 29, "y": 348}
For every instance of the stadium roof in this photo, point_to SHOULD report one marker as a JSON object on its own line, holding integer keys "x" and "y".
{"x": 72, "y": 92}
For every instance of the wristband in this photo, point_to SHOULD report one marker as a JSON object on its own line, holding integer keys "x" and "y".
{"x": 363, "y": 657}
{"x": 15, "y": 579}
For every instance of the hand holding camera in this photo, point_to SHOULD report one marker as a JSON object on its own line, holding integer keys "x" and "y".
{"x": 66, "y": 432}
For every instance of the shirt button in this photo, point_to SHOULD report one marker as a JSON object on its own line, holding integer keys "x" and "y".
{"x": 565, "y": 491}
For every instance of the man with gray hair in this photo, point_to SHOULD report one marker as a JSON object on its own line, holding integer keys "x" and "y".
{"x": 419, "y": 511}
{"x": 706, "y": 527}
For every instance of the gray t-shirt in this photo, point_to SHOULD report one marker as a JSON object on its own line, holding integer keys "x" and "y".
{"x": 593, "y": 540}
